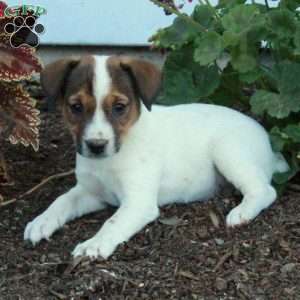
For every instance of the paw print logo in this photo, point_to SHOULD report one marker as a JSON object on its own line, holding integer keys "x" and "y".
{"x": 24, "y": 31}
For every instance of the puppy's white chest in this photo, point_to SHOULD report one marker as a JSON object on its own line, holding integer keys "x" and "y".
{"x": 99, "y": 180}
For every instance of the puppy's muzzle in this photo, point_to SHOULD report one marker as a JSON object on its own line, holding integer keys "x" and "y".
{"x": 96, "y": 146}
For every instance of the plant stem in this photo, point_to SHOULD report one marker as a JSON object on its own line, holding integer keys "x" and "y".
{"x": 267, "y": 4}
{"x": 203, "y": 2}
{"x": 179, "y": 14}
{"x": 42, "y": 183}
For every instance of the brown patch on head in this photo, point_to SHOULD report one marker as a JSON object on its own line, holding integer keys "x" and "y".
{"x": 71, "y": 82}
{"x": 132, "y": 80}
{"x": 78, "y": 110}
{"x": 146, "y": 78}
{"x": 53, "y": 78}
{"x": 122, "y": 98}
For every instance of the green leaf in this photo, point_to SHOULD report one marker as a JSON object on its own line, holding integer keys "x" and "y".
{"x": 293, "y": 132}
{"x": 263, "y": 101}
{"x": 209, "y": 47}
{"x": 176, "y": 35}
{"x": 278, "y": 139}
{"x": 185, "y": 81}
{"x": 204, "y": 15}
{"x": 280, "y": 105}
{"x": 297, "y": 41}
{"x": 250, "y": 76}
{"x": 243, "y": 61}
{"x": 282, "y": 23}
{"x": 290, "y": 4}
{"x": 289, "y": 85}
{"x": 229, "y": 93}
{"x": 206, "y": 80}
{"x": 229, "y": 3}
{"x": 242, "y": 18}
{"x": 281, "y": 178}
{"x": 230, "y": 39}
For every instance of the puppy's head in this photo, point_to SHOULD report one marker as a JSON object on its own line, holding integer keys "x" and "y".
{"x": 101, "y": 98}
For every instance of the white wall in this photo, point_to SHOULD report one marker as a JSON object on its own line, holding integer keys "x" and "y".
{"x": 101, "y": 22}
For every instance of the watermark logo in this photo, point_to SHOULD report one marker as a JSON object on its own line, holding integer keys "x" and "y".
{"x": 23, "y": 29}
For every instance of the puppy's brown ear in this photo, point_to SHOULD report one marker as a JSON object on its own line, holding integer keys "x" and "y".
{"x": 146, "y": 78}
{"x": 53, "y": 78}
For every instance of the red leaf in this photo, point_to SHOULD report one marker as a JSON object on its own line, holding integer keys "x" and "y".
{"x": 3, "y": 5}
{"x": 3, "y": 18}
{"x": 18, "y": 115}
{"x": 17, "y": 63}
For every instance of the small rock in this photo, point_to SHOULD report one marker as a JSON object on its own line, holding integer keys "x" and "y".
{"x": 265, "y": 251}
{"x": 221, "y": 284}
{"x": 246, "y": 245}
{"x": 173, "y": 221}
{"x": 290, "y": 291}
{"x": 197, "y": 297}
{"x": 288, "y": 268}
{"x": 211, "y": 261}
{"x": 219, "y": 241}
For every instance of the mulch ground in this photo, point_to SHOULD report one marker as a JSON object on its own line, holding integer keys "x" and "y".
{"x": 187, "y": 254}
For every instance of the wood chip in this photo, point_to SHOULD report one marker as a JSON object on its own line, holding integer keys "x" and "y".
{"x": 74, "y": 264}
{"x": 57, "y": 295}
{"x": 214, "y": 219}
{"x": 188, "y": 275}
{"x": 222, "y": 260}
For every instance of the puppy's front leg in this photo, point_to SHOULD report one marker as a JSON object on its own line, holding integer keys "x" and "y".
{"x": 133, "y": 214}
{"x": 73, "y": 204}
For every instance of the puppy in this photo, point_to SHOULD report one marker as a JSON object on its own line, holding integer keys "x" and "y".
{"x": 139, "y": 160}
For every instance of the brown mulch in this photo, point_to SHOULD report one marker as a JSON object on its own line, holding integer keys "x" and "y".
{"x": 187, "y": 254}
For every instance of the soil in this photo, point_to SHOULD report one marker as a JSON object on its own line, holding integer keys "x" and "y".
{"x": 187, "y": 254}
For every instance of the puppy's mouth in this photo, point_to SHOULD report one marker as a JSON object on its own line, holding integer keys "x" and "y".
{"x": 92, "y": 155}
{"x": 96, "y": 153}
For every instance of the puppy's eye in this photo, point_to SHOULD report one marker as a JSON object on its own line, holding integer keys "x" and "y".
{"x": 76, "y": 108}
{"x": 118, "y": 109}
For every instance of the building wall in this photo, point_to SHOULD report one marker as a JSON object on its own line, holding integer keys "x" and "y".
{"x": 49, "y": 53}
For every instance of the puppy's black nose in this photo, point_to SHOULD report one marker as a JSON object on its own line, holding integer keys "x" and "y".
{"x": 96, "y": 146}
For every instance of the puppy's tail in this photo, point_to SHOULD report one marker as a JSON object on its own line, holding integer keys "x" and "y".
{"x": 280, "y": 164}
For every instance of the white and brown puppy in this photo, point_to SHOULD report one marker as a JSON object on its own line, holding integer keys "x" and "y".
{"x": 139, "y": 160}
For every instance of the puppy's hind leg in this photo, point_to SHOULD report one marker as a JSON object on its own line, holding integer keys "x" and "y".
{"x": 73, "y": 204}
{"x": 255, "y": 199}
{"x": 254, "y": 183}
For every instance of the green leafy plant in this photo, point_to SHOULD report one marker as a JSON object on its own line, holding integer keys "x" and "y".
{"x": 19, "y": 119}
{"x": 240, "y": 55}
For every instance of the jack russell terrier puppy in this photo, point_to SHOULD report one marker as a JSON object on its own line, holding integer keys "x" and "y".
{"x": 139, "y": 160}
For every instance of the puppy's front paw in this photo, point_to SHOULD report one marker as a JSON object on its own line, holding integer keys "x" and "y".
{"x": 94, "y": 248}
{"x": 240, "y": 215}
{"x": 40, "y": 228}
